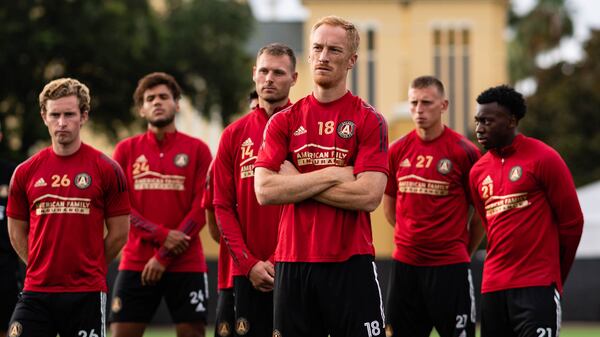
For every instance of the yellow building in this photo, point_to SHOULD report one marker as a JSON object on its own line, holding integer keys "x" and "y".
{"x": 462, "y": 42}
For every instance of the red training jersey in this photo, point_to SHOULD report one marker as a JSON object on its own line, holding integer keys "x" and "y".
{"x": 526, "y": 198}
{"x": 224, "y": 275}
{"x": 430, "y": 184}
{"x": 248, "y": 229}
{"x": 166, "y": 180}
{"x": 314, "y": 135}
{"x": 65, "y": 200}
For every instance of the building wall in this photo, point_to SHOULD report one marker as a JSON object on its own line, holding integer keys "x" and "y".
{"x": 460, "y": 41}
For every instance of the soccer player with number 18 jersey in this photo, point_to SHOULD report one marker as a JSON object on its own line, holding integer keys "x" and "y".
{"x": 325, "y": 160}
{"x": 59, "y": 202}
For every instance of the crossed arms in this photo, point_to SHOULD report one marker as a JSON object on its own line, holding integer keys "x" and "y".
{"x": 335, "y": 186}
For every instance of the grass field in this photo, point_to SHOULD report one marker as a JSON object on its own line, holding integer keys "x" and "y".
{"x": 568, "y": 330}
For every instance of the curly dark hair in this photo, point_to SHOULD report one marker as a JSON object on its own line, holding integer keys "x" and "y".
{"x": 152, "y": 80}
{"x": 507, "y": 97}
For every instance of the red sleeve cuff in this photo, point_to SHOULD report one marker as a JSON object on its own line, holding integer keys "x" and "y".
{"x": 246, "y": 266}
{"x": 161, "y": 235}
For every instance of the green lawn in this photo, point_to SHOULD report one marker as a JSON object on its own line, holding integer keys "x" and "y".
{"x": 568, "y": 330}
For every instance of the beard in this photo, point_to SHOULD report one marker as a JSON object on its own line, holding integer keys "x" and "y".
{"x": 160, "y": 123}
{"x": 271, "y": 99}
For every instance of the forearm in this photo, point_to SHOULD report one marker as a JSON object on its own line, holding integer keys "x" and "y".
{"x": 113, "y": 244}
{"x": 211, "y": 222}
{"x": 116, "y": 237}
{"x": 363, "y": 194}
{"x": 275, "y": 188}
{"x": 389, "y": 209}
{"x": 191, "y": 225}
{"x": 231, "y": 233}
{"x": 146, "y": 229}
{"x": 18, "y": 231}
{"x": 476, "y": 232}
{"x": 569, "y": 237}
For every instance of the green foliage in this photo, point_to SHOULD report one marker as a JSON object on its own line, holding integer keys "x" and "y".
{"x": 538, "y": 31}
{"x": 109, "y": 45}
{"x": 565, "y": 112}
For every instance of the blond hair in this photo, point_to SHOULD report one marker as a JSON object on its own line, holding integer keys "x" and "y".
{"x": 64, "y": 87}
{"x": 352, "y": 35}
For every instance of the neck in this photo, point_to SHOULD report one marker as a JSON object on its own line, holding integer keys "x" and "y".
{"x": 271, "y": 107}
{"x": 326, "y": 95}
{"x": 159, "y": 132}
{"x": 430, "y": 133}
{"x": 508, "y": 140}
{"x": 66, "y": 149}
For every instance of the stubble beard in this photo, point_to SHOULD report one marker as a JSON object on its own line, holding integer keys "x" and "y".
{"x": 161, "y": 123}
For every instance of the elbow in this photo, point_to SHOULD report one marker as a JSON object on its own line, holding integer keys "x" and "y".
{"x": 372, "y": 202}
{"x": 262, "y": 197}
{"x": 121, "y": 239}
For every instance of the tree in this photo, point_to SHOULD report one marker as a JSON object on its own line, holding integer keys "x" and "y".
{"x": 109, "y": 45}
{"x": 538, "y": 31}
{"x": 565, "y": 112}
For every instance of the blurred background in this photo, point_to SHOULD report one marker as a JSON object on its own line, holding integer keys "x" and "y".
{"x": 547, "y": 49}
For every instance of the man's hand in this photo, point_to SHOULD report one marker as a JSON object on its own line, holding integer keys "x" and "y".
{"x": 152, "y": 272}
{"x": 177, "y": 242}
{"x": 345, "y": 173}
{"x": 262, "y": 276}
{"x": 288, "y": 169}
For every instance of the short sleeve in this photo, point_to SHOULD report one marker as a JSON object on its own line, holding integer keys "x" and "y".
{"x": 18, "y": 204}
{"x": 274, "y": 148}
{"x": 372, "y": 143}
{"x": 116, "y": 195}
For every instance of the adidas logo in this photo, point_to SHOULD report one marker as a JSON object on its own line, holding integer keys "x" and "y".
{"x": 141, "y": 159}
{"x": 405, "y": 163}
{"x": 40, "y": 183}
{"x": 248, "y": 142}
{"x": 487, "y": 180}
{"x": 301, "y": 130}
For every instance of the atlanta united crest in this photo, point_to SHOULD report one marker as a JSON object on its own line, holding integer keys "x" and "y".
{"x": 15, "y": 329}
{"x": 224, "y": 329}
{"x": 444, "y": 166}
{"x": 515, "y": 173}
{"x": 116, "y": 304}
{"x": 242, "y": 326}
{"x": 181, "y": 160}
{"x": 83, "y": 181}
{"x": 346, "y": 129}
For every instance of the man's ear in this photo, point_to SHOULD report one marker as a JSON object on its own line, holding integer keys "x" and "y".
{"x": 85, "y": 115}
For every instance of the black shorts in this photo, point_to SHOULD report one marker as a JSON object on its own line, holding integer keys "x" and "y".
{"x": 67, "y": 314}
{"x": 253, "y": 309}
{"x": 317, "y": 299}
{"x": 421, "y": 298}
{"x": 530, "y": 311}
{"x": 225, "y": 318}
{"x": 186, "y": 295}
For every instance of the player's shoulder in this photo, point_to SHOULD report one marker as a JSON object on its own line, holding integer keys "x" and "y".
{"x": 482, "y": 164}
{"x": 462, "y": 145}
{"x": 98, "y": 157}
{"x": 538, "y": 151}
{"x": 241, "y": 123}
{"x": 402, "y": 142}
{"x": 34, "y": 161}
{"x": 186, "y": 139}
